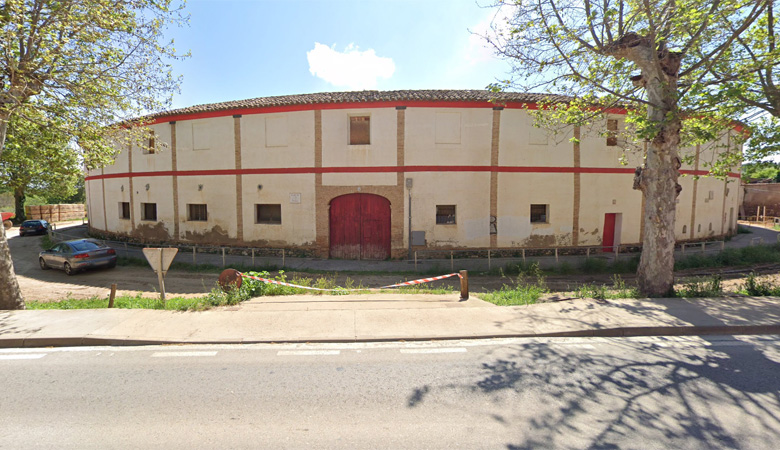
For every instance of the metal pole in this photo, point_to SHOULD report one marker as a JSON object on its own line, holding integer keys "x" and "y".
{"x": 703, "y": 246}
{"x": 194, "y": 260}
{"x": 587, "y": 253}
{"x": 415, "y": 261}
{"x": 253, "y": 257}
{"x": 452, "y": 262}
{"x": 488, "y": 259}
{"x": 223, "y": 256}
{"x": 523, "y": 256}
{"x": 282, "y": 257}
{"x": 556, "y": 255}
{"x": 160, "y": 279}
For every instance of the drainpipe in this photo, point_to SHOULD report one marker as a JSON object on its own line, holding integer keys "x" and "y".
{"x": 409, "y": 187}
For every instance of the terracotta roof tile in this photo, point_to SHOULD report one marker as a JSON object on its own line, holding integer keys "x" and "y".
{"x": 365, "y": 97}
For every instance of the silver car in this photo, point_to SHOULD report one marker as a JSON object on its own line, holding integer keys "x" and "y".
{"x": 77, "y": 255}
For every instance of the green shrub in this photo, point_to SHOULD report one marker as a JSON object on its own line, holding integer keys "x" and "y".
{"x": 755, "y": 287}
{"x": 702, "y": 287}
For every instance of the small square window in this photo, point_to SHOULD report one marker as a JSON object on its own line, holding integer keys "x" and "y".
{"x": 539, "y": 214}
{"x": 445, "y": 214}
{"x": 124, "y": 210}
{"x": 148, "y": 211}
{"x": 360, "y": 130}
{"x": 151, "y": 146}
{"x": 612, "y": 132}
{"x": 197, "y": 212}
{"x": 268, "y": 214}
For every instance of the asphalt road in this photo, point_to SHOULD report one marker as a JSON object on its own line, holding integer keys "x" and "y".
{"x": 643, "y": 393}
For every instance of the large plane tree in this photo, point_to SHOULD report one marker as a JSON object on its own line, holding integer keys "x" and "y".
{"x": 663, "y": 60}
{"x": 80, "y": 66}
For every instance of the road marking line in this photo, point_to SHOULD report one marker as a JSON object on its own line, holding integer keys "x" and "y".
{"x": 433, "y": 350}
{"x": 182, "y": 354}
{"x": 307, "y": 352}
{"x": 23, "y": 356}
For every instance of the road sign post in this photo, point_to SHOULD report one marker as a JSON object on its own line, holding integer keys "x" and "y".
{"x": 160, "y": 259}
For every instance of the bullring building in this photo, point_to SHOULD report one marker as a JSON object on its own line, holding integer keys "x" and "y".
{"x": 357, "y": 175}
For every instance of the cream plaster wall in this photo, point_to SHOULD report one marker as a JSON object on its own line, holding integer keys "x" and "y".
{"x": 609, "y": 193}
{"x": 219, "y": 194}
{"x": 469, "y": 192}
{"x": 217, "y": 134}
{"x": 336, "y": 151}
{"x": 159, "y": 192}
{"x": 522, "y": 144}
{"x": 297, "y": 150}
{"x": 94, "y": 191}
{"x": 298, "y": 225}
{"x": 421, "y": 148}
{"x": 517, "y": 192}
{"x": 159, "y": 161}
{"x": 117, "y": 190}
{"x": 120, "y": 164}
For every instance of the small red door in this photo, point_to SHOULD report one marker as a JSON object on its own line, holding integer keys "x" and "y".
{"x": 608, "y": 239}
{"x": 360, "y": 227}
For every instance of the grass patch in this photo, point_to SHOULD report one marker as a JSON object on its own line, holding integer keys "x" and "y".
{"x": 618, "y": 290}
{"x": 745, "y": 256}
{"x": 134, "y": 302}
{"x": 528, "y": 289}
{"x": 701, "y": 287}
{"x": 759, "y": 288}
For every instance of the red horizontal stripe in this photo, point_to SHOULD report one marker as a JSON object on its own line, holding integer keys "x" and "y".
{"x": 386, "y": 169}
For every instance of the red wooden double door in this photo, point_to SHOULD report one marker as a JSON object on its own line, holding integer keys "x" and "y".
{"x": 360, "y": 227}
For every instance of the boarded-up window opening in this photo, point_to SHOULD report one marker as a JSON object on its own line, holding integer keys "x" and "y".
{"x": 360, "y": 130}
{"x": 124, "y": 210}
{"x": 539, "y": 214}
{"x": 197, "y": 212}
{"x": 148, "y": 211}
{"x": 268, "y": 214}
{"x": 445, "y": 214}
{"x": 612, "y": 132}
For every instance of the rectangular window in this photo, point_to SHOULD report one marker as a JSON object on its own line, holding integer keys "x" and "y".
{"x": 445, "y": 214}
{"x": 124, "y": 210}
{"x": 268, "y": 214}
{"x": 148, "y": 211}
{"x": 151, "y": 146}
{"x": 612, "y": 132}
{"x": 539, "y": 214}
{"x": 360, "y": 130}
{"x": 197, "y": 212}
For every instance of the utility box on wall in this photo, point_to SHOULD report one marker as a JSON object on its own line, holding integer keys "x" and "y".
{"x": 418, "y": 237}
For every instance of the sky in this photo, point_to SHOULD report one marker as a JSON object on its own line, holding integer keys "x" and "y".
{"x": 257, "y": 48}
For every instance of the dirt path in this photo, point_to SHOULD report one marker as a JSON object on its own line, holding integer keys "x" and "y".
{"x": 52, "y": 285}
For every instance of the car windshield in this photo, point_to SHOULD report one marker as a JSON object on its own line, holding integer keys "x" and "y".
{"x": 30, "y": 223}
{"x": 82, "y": 246}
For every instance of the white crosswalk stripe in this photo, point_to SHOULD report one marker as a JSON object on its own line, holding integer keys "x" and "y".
{"x": 181, "y": 354}
{"x": 22, "y": 356}
{"x": 308, "y": 352}
{"x": 433, "y": 350}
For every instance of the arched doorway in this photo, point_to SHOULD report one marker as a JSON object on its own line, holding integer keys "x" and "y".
{"x": 360, "y": 227}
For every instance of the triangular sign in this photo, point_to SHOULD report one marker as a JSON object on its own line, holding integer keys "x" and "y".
{"x": 160, "y": 258}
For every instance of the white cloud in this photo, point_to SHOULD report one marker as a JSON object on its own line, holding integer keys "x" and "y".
{"x": 493, "y": 26}
{"x": 352, "y": 68}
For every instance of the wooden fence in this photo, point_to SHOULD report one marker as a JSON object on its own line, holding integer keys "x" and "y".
{"x": 55, "y": 213}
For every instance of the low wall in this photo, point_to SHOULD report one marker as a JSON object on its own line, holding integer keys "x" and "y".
{"x": 55, "y": 213}
{"x": 760, "y": 195}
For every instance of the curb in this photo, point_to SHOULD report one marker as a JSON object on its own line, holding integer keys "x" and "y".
{"x": 605, "y": 332}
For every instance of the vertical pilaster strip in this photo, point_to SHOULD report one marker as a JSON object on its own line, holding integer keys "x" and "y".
{"x": 575, "y": 225}
{"x": 103, "y": 186}
{"x": 239, "y": 184}
{"x": 130, "y": 186}
{"x": 494, "y": 141}
{"x": 175, "y": 182}
{"x": 695, "y": 189}
{"x": 400, "y": 137}
{"x": 321, "y": 219}
{"x": 725, "y": 188}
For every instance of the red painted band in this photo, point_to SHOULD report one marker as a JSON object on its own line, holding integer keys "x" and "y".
{"x": 386, "y": 169}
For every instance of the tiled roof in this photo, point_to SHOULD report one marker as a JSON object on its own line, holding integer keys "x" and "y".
{"x": 366, "y": 97}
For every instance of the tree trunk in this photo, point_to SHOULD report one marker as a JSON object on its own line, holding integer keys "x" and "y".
{"x": 10, "y": 294}
{"x": 658, "y": 182}
{"x": 19, "y": 198}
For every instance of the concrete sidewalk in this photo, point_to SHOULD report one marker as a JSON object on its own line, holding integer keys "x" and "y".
{"x": 387, "y": 317}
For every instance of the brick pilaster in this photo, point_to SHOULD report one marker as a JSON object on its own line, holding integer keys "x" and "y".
{"x": 494, "y": 141}
{"x": 239, "y": 184}
{"x": 130, "y": 186}
{"x": 175, "y": 182}
{"x": 103, "y": 186}
{"x": 322, "y": 238}
{"x": 575, "y": 226}
{"x": 695, "y": 190}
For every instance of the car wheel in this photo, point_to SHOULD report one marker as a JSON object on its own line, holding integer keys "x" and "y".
{"x": 112, "y": 265}
{"x": 43, "y": 264}
{"x": 69, "y": 270}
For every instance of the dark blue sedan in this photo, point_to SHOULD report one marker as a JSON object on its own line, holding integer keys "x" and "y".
{"x": 33, "y": 227}
{"x": 77, "y": 255}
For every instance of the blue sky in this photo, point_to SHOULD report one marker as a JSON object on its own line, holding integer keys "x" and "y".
{"x": 256, "y": 48}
